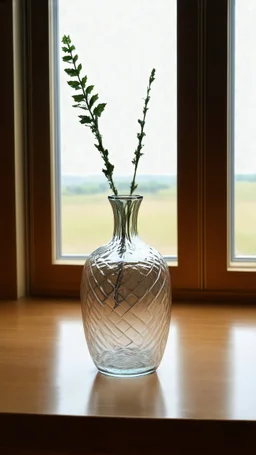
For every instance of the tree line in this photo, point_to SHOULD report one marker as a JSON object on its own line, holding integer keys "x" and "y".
{"x": 98, "y": 188}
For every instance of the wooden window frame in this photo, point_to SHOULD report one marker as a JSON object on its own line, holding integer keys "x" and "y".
{"x": 202, "y": 154}
{"x": 48, "y": 278}
{"x": 8, "y": 276}
{"x": 218, "y": 276}
{"x": 12, "y": 188}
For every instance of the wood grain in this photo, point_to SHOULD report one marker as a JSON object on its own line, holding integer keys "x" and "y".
{"x": 51, "y": 396}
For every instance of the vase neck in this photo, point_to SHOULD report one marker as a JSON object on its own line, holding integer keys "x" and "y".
{"x": 125, "y": 211}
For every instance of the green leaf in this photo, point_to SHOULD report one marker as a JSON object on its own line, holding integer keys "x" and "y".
{"x": 74, "y": 84}
{"x": 85, "y": 119}
{"x": 93, "y": 100}
{"x": 99, "y": 109}
{"x": 89, "y": 89}
{"x": 79, "y": 67}
{"x": 75, "y": 58}
{"x": 152, "y": 76}
{"x": 67, "y": 58}
{"x": 66, "y": 39}
{"x": 83, "y": 81}
{"x": 71, "y": 72}
{"x": 72, "y": 48}
{"x": 111, "y": 167}
{"x": 140, "y": 135}
{"x": 80, "y": 106}
{"x": 65, "y": 49}
{"x": 78, "y": 98}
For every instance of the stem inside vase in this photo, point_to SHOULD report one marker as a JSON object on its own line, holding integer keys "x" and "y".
{"x": 125, "y": 211}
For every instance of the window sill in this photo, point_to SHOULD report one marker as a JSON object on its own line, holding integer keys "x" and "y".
{"x": 202, "y": 396}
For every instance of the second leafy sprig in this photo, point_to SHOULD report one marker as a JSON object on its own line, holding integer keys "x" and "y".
{"x": 87, "y": 101}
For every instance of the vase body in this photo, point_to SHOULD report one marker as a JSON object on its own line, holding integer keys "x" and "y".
{"x": 126, "y": 298}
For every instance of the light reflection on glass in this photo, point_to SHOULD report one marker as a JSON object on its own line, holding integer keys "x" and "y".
{"x": 242, "y": 399}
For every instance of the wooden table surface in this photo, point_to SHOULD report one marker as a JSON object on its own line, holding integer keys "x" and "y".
{"x": 202, "y": 396}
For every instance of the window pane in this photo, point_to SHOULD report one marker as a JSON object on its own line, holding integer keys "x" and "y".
{"x": 118, "y": 43}
{"x": 243, "y": 127}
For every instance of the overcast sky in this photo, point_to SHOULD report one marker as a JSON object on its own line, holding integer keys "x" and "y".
{"x": 245, "y": 86}
{"x": 119, "y": 42}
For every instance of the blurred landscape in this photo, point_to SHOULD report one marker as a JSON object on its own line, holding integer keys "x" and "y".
{"x": 87, "y": 216}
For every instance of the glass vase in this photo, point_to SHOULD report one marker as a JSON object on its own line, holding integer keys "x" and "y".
{"x": 126, "y": 298}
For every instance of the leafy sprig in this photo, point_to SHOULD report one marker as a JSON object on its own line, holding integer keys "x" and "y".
{"x": 85, "y": 100}
{"x": 141, "y": 134}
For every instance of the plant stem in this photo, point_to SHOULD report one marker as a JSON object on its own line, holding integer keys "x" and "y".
{"x": 94, "y": 127}
{"x": 140, "y": 135}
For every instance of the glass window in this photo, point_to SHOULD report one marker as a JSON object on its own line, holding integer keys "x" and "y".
{"x": 118, "y": 44}
{"x": 242, "y": 131}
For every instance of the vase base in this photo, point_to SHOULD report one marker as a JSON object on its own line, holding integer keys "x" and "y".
{"x": 126, "y": 362}
{"x": 127, "y": 374}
